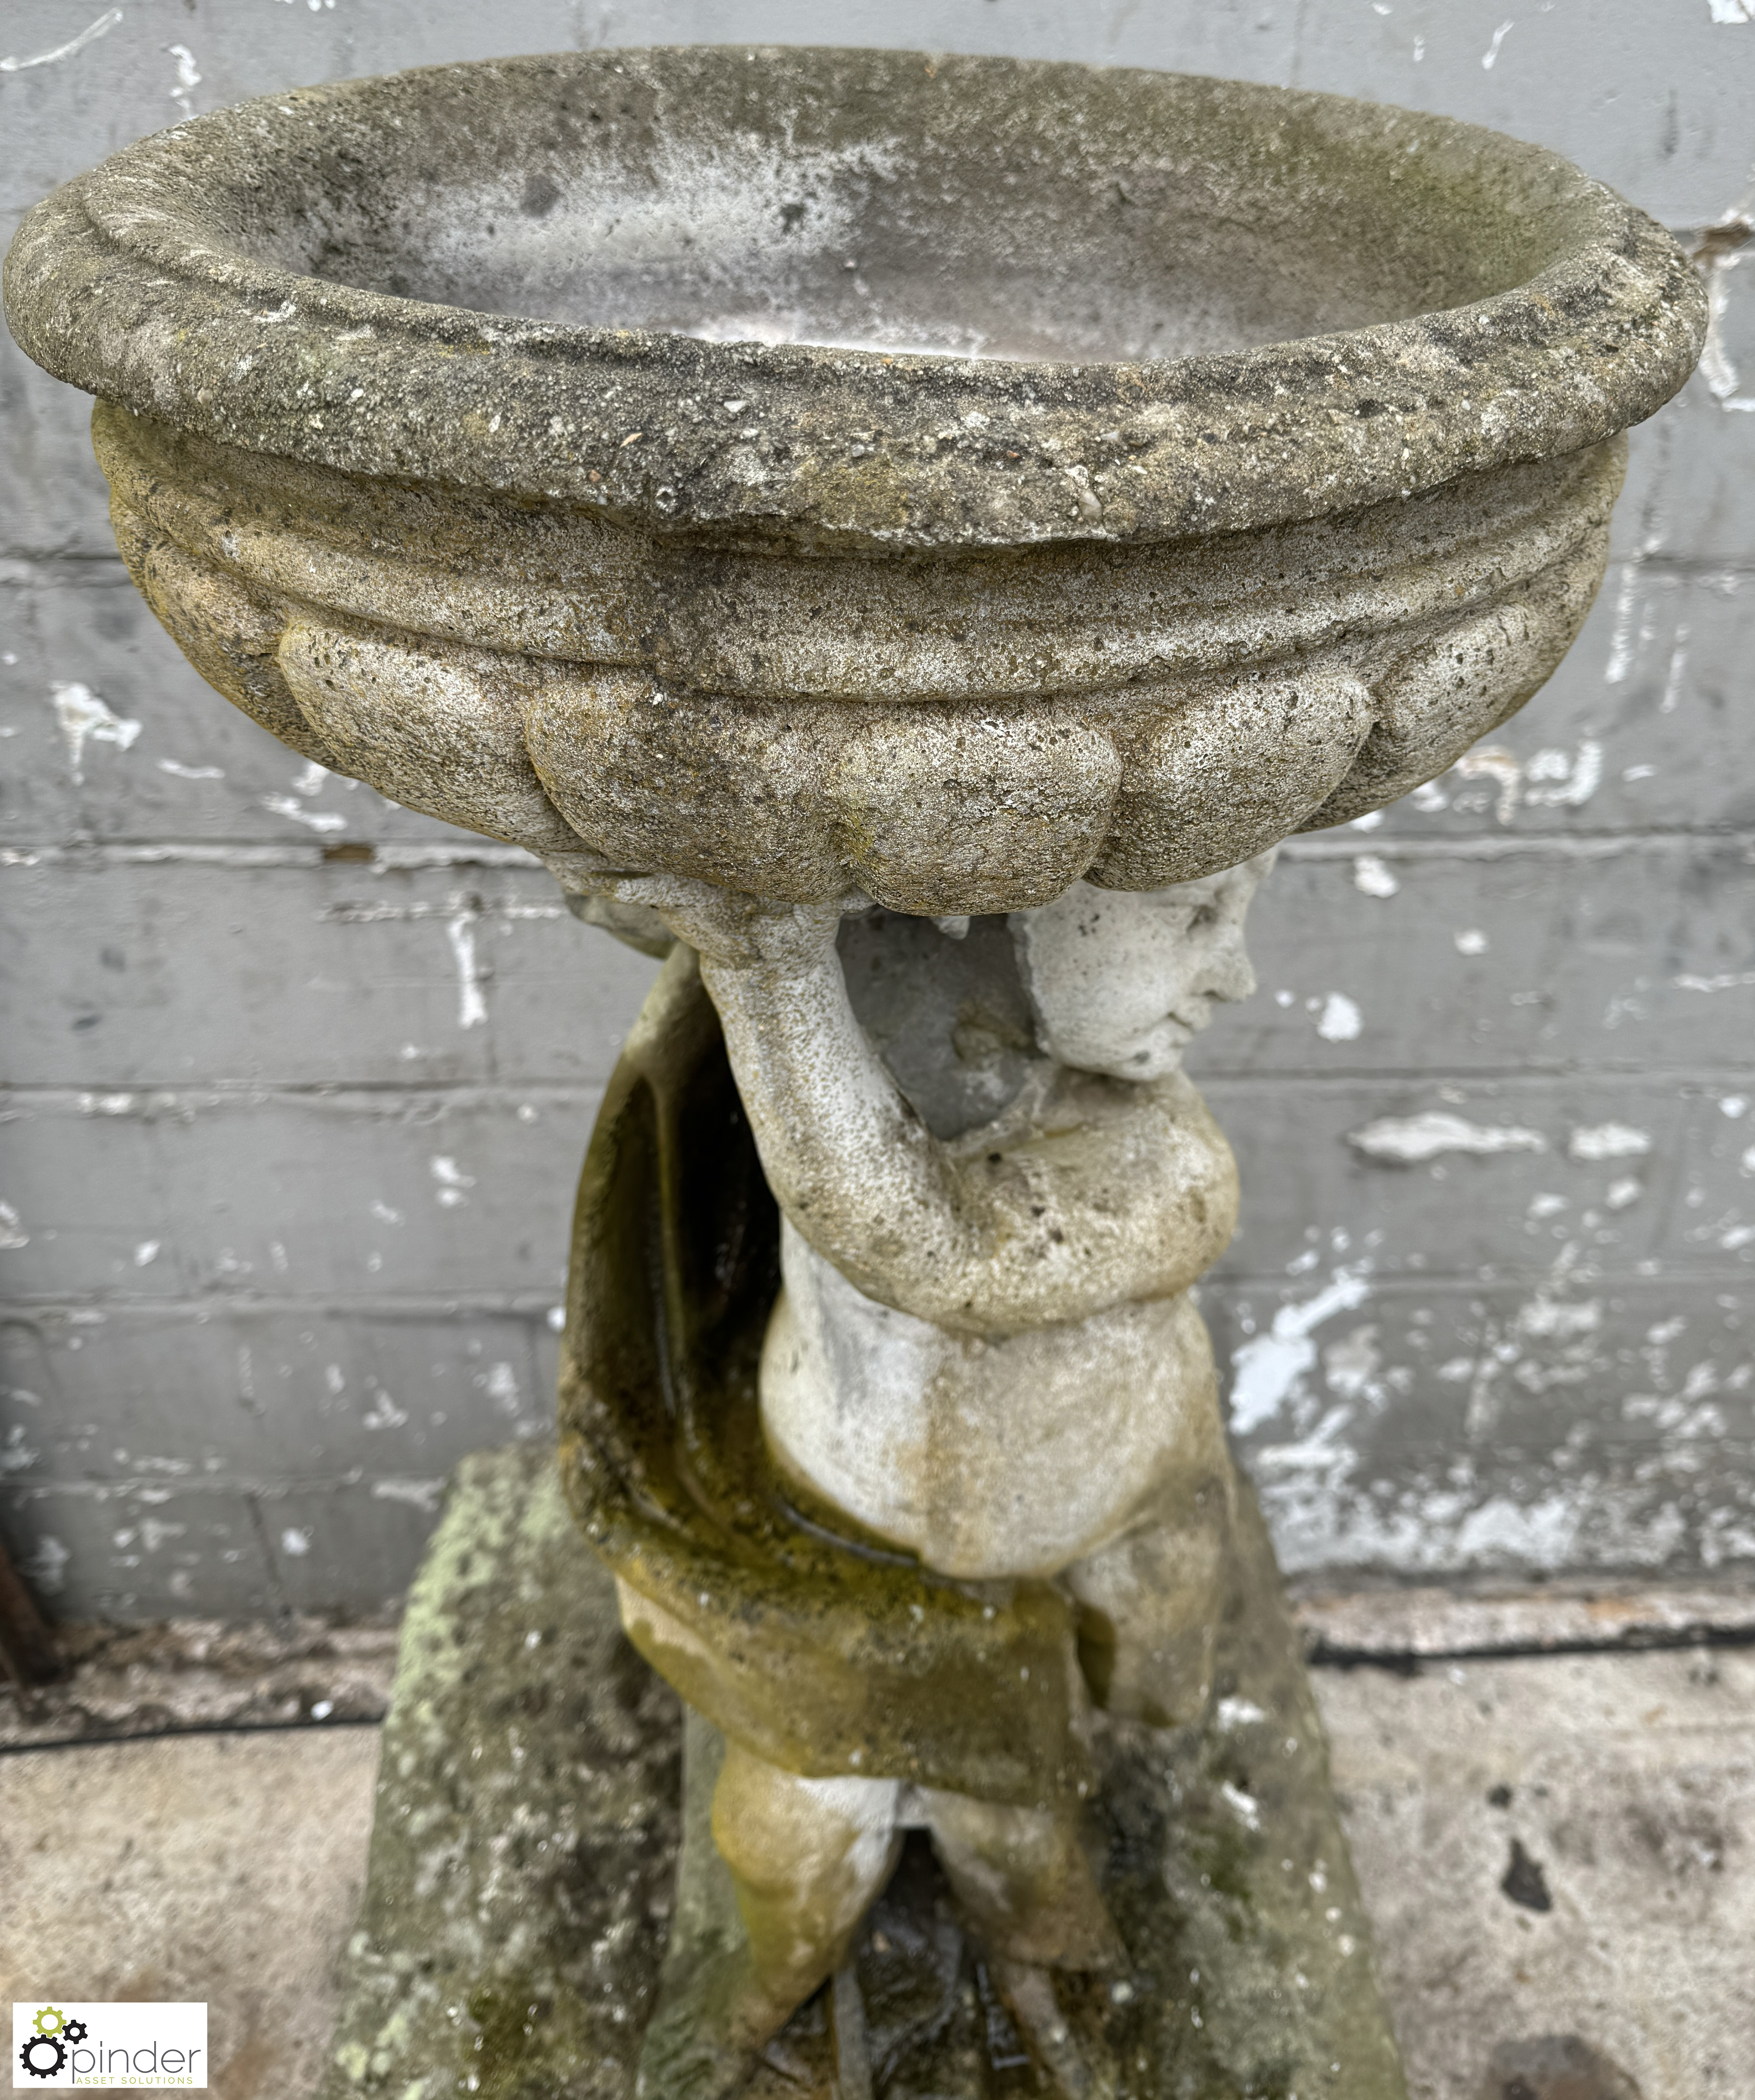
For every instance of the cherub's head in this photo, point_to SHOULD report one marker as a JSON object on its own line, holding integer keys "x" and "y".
{"x": 1121, "y": 980}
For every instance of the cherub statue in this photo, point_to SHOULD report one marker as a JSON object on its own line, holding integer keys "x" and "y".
{"x": 997, "y": 1188}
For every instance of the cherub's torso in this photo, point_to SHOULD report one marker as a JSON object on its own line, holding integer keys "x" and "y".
{"x": 995, "y": 1453}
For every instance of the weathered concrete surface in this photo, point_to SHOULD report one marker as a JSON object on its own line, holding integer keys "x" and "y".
{"x": 525, "y": 1836}
{"x": 223, "y": 1867}
{"x": 1656, "y": 683}
{"x": 1629, "y": 1782}
{"x": 525, "y": 1833}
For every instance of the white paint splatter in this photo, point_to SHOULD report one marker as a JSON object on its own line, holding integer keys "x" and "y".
{"x": 384, "y": 1414}
{"x": 451, "y": 1180}
{"x": 146, "y": 1253}
{"x": 1341, "y": 1020}
{"x": 1624, "y": 637}
{"x": 90, "y": 34}
{"x": 317, "y": 820}
{"x": 1715, "y": 259}
{"x": 384, "y": 1214}
{"x": 1553, "y": 1321}
{"x": 1747, "y": 1162}
{"x": 1500, "y": 34}
{"x": 85, "y": 719}
{"x": 12, "y": 1232}
{"x": 1349, "y": 1367}
{"x": 1731, "y": 11}
{"x": 1367, "y": 823}
{"x": 1568, "y": 782}
{"x": 1608, "y": 1140}
{"x": 1728, "y": 981}
{"x": 1734, "y": 1105}
{"x": 1433, "y": 1530}
{"x": 1321, "y": 1452}
{"x": 502, "y": 1388}
{"x": 1235, "y": 1713}
{"x": 1471, "y": 941}
{"x": 1372, "y": 878}
{"x": 557, "y": 1318}
{"x": 311, "y": 781}
{"x": 1678, "y": 663}
{"x": 418, "y": 1494}
{"x": 1247, "y": 1810}
{"x": 46, "y": 1568}
{"x": 1629, "y": 1190}
{"x": 189, "y": 77}
{"x": 297, "y": 1543}
{"x": 1407, "y": 1141}
{"x": 16, "y": 1456}
{"x": 1493, "y": 761}
{"x": 190, "y": 772}
{"x": 1266, "y": 1367}
{"x": 471, "y": 1007}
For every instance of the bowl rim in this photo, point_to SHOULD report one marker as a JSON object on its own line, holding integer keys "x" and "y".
{"x": 116, "y": 283}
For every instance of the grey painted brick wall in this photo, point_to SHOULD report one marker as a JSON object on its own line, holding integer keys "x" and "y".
{"x": 298, "y": 1082}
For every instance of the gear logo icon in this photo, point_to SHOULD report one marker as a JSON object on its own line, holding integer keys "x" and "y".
{"x": 38, "y": 2065}
{"x": 44, "y": 2053}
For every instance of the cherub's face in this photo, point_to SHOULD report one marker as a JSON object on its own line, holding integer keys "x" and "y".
{"x": 1120, "y": 980}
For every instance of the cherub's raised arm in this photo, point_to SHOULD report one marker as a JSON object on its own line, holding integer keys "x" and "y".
{"x": 1049, "y": 1223}
{"x": 853, "y": 1166}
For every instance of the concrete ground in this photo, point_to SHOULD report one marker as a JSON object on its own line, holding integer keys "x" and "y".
{"x": 1560, "y": 1846}
{"x": 226, "y": 1867}
{"x": 1552, "y": 1847}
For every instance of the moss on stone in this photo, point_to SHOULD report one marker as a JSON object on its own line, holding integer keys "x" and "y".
{"x": 524, "y": 1867}
{"x": 520, "y": 1880}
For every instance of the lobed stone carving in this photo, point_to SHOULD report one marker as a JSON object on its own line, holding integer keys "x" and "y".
{"x": 798, "y": 725}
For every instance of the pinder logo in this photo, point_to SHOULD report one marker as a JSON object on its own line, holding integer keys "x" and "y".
{"x": 156, "y": 2046}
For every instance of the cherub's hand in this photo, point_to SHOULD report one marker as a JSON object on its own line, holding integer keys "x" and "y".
{"x": 733, "y": 930}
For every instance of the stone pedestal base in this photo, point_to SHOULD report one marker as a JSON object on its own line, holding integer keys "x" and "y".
{"x": 524, "y": 1855}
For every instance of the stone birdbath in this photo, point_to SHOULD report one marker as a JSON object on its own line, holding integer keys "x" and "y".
{"x": 905, "y": 539}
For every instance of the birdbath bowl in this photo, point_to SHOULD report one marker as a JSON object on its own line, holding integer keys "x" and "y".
{"x": 802, "y": 496}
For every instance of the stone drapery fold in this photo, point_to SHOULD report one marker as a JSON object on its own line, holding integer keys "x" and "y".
{"x": 822, "y": 1653}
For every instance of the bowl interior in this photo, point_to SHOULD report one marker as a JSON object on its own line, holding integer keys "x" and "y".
{"x": 883, "y": 201}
